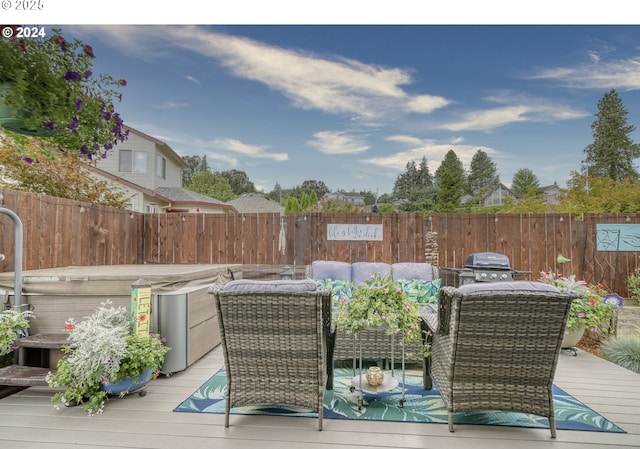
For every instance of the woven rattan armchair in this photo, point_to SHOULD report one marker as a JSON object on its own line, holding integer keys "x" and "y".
{"x": 495, "y": 346}
{"x": 274, "y": 343}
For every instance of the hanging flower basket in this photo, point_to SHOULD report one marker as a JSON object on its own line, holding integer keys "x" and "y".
{"x": 48, "y": 89}
{"x": 14, "y": 121}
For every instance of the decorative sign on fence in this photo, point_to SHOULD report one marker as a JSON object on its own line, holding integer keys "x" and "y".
{"x": 354, "y": 232}
{"x": 618, "y": 237}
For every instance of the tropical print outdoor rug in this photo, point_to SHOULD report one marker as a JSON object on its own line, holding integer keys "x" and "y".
{"x": 420, "y": 406}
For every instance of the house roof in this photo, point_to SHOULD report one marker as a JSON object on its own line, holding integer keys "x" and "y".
{"x": 172, "y": 195}
{"x": 160, "y": 143}
{"x": 498, "y": 187}
{"x": 255, "y": 202}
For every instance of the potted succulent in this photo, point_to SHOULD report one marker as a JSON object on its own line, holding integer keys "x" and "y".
{"x": 101, "y": 353}
{"x": 13, "y": 325}
{"x": 381, "y": 303}
{"x": 48, "y": 89}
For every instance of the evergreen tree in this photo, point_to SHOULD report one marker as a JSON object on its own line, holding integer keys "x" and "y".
{"x": 451, "y": 181}
{"x": 405, "y": 181}
{"x": 483, "y": 174}
{"x": 523, "y": 181}
{"x": 612, "y": 152}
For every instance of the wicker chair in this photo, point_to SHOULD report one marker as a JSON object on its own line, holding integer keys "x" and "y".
{"x": 495, "y": 346}
{"x": 274, "y": 339}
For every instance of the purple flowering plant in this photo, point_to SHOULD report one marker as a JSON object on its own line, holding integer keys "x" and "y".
{"x": 49, "y": 83}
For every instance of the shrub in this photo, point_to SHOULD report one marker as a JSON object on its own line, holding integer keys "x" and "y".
{"x": 623, "y": 350}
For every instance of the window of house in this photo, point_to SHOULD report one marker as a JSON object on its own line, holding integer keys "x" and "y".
{"x": 132, "y": 161}
{"x": 161, "y": 167}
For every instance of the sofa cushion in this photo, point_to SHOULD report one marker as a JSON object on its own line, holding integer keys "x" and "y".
{"x": 363, "y": 271}
{"x": 422, "y": 292}
{"x": 329, "y": 269}
{"x": 285, "y": 285}
{"x": 339, "y": 289}
{"x": 521, "y": 286}
{"x": 408, "y": 270}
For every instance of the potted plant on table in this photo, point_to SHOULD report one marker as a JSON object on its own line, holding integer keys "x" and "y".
{"x": 589, "y": 312}
{"x": 102, "y": 352}
{"x": 48, "y": 89}
{"x": 13, "y": 325}
{"x": 381, "y": 303}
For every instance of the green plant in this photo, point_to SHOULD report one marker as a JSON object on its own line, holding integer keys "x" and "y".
{"x": 48, "y": 81}
{"x": 380, "y": 302}
{"x": 101, "y": 349}
{"x": 633, "y": 285}
{"x": 13, "y": 324}
{"x": 591, "y": 309}
{"x": 623, "y": 350}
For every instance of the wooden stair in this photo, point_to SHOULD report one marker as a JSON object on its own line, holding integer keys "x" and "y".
{"x": 14, "y": 378}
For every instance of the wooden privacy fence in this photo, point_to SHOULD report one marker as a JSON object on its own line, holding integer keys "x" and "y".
{"x": 59, "y": 232}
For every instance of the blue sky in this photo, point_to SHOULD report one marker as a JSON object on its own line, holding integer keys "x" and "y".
{"x": 350, "y": 105}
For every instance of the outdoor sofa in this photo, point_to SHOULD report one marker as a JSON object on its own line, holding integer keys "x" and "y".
{"x": 419, "y": 280}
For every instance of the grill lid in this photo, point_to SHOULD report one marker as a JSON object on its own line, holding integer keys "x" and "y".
{"x": 488, "y": 260}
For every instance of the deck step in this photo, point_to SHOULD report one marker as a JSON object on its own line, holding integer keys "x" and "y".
{"x": 43, "y": 341}
{"x": 16, "y": 376}
{"x": 24, "y": 376}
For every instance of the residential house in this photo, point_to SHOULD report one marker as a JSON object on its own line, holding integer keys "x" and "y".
{"x": 551, "y": 193}
{"x": 255, "y": 203}
{"x": 497, "y": 196}
{"x": 343, "y": 197}
{"x": 150, "y": 173}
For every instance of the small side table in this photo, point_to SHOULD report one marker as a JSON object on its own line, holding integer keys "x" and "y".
{"x": 389, "y": 383}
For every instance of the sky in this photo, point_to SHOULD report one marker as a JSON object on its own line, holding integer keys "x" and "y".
{"x": 351, "y": 103}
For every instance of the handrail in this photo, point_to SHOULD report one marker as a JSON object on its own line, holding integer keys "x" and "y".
{"x": 17, "y": 259}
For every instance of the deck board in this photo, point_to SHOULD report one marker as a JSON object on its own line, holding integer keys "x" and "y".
{"x": 28, "y": 419}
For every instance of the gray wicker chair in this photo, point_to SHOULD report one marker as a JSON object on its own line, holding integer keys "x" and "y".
{"x": 274, "y": 343}
{"x": 495, "y": 346}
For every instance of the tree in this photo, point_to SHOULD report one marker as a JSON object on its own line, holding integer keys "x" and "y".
{"x": 612, "y": 152}
{"x": 239, "y": 182}
{"x": 194, "y": 163}
{"x": 523, "y": 180}
{"x": 66, "y": 176}
{"x": 450, "y": 181}
{"x": 483, "y": 174}
{"x": 405, "y": 181}
{"x": 414, "y": 188}
{"x": 211, "y": 184}
{"x": 310, "y": 185}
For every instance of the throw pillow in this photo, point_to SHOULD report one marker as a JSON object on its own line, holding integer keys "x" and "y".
{"x": 422, "y": 292}
{"x": 339, "y": 289}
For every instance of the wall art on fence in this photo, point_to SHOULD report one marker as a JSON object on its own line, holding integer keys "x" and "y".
{"x": 354, "y": 232}
{"x": 618, "y": 237}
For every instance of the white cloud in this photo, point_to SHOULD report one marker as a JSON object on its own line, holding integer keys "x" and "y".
{"x": 171, "y": 105}
{"x": 334, "y": 85}
{"x": 513, "y": 109}
{"x": 193, "y": 79}
{"x": 253, "y": 151}
{"x": 333, "y": 142}
{"x": 614, "y": 74}
{"x": 433, "y": 151}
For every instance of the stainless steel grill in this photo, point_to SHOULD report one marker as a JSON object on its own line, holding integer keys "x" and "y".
{"x": 481, "y": 267}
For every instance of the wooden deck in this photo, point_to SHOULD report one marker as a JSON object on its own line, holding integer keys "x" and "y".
{"x": 28, "y": 419}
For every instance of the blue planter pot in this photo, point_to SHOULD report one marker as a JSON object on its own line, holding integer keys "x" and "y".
{"x": 128, "y": 385}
